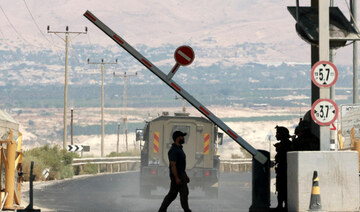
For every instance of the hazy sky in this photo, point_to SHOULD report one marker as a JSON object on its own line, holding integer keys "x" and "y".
{"x": 159, "y": 22}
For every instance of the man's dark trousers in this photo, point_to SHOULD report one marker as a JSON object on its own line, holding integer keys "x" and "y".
{"x": 174, "y": 190}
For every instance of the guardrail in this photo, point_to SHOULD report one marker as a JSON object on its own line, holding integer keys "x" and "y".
{"x": 119, "y": 164}
{"x": 111, "y": 164}
{"x": 236, "y": 165}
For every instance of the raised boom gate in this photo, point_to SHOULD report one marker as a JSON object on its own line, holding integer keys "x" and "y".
{"x": 177, "y": 88}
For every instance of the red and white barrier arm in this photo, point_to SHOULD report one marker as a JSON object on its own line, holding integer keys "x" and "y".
{"x": 177, "y": 88}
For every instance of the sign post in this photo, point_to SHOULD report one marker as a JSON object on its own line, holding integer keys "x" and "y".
{"x": 184, "y": 56}
{"x": 324, "y": 111}
{"x": 78, "y": 148}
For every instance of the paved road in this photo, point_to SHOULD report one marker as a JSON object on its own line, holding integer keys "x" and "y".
{"x": 120, "y": 192}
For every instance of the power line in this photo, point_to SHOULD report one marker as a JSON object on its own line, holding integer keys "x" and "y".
{"x": 92, "y": 49}
{"x": 17, "y": 32}
{"x": 56, "y": 52}
{"x": 75, "y": 52}
{"x": 72, "y": 48}
{"x": 3, "y": 36}
{"x": 52, "y": 43}
{"x": 37, "y": 26}
{"x": 92, "y": 46}
{"x": 9, "y": 45}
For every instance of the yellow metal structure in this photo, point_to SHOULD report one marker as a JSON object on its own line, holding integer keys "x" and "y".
{"x": 352, "y": 137}
{"x": 11, "y": 159}
{"x": 340, "y": 139}
{"x": 357, "y": 147}
{"x": 355, "y": 143}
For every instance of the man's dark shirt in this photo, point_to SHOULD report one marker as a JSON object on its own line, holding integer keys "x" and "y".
{"x": 177, "y": 155}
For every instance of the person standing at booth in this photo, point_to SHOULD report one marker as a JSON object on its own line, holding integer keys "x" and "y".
{"x": 282, "y": 147}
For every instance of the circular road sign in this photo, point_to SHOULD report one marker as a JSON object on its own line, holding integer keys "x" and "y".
{"x": 324, "y": 111}
{"x": 184, "y": 55}
{"x": 324, "y": 74}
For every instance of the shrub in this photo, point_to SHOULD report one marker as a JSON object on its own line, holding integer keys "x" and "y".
{"x": 57, "y": 160}
{"x": 66, "y": 172}
{"x": 89, "y": 169}
{"x": 68, "y": 157}
{"x": 39, "y": 166}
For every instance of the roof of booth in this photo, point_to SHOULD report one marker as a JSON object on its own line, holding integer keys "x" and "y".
{"x": 6, "y": 123}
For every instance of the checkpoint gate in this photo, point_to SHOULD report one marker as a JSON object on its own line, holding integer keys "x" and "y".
{"x": 184, "y": 56}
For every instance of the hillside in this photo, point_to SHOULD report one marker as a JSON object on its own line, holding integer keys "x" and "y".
{"x": 222, "y": 34}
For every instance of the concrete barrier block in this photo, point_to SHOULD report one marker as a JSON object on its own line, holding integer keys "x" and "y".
{"x": 338, "y": 179}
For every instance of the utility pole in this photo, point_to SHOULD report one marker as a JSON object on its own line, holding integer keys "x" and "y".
{"x": 353, "y": 5}
{"x": 324, "y": 53}
{"x": 118, "y": 138}
{"x": 72, "y": 126}
{"x": 183, "y": 104}
{"x": 67, "y": 33}
{"x": 332, "y": 92}
{"x": 125, "y": 76}
{"x": 102, "y": 63}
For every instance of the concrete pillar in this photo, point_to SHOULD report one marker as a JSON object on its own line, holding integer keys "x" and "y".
{"x": 338, "y": 178}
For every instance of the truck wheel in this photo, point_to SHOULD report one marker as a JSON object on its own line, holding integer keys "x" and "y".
{"x": 212, "y": 193}
{"x": 145, "y": 191}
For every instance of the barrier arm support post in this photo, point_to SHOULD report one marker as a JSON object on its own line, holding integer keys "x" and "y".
{"x": 30, "y": 208}
{"x": 176, "y": 87}
{"x": 10, "y": 172}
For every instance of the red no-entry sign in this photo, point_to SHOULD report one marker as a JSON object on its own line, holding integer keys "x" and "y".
{"x": 184, "y": 55}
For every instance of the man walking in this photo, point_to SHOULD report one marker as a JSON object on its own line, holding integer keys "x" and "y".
{"x": 178, "y": 176}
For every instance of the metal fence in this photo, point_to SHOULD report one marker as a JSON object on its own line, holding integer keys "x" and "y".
{"x": 120, "y": 164}
{"x": 111, "y": 164}
{"x": 236, "y": 165}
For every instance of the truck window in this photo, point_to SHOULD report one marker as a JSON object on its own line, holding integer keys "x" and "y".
{"x": 182, "y": 128}
{"x": 139, "y": 134}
